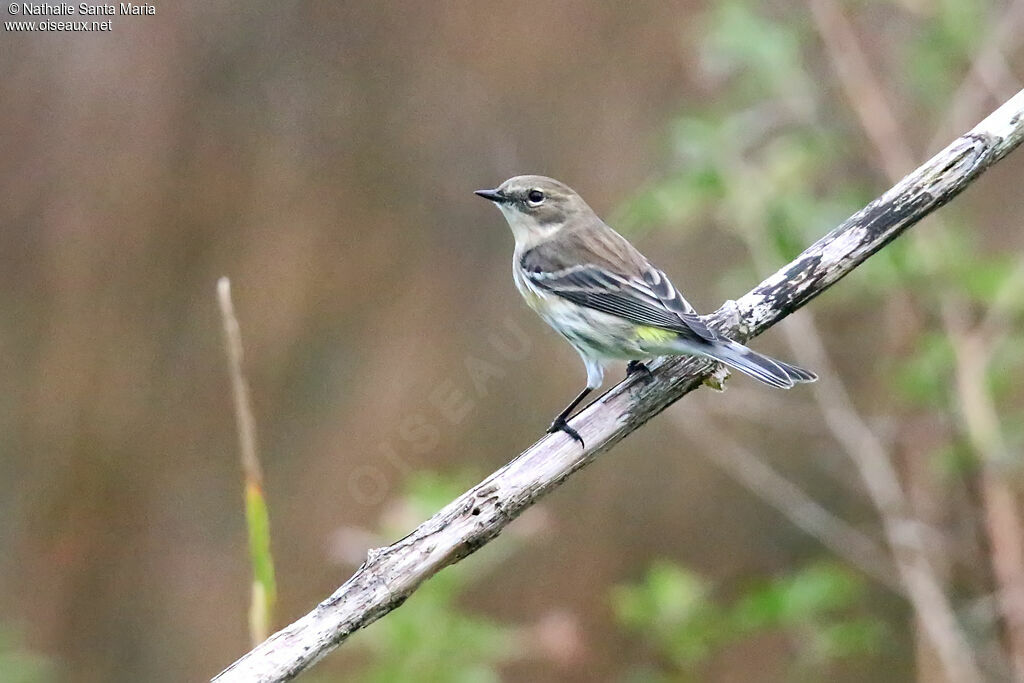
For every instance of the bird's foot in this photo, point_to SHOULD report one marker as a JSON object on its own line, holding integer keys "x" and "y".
{"x": 635, "y": 366}
{"x": 560, "y": 425}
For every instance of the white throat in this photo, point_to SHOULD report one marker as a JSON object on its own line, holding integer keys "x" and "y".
{"x": 526, "y": 230}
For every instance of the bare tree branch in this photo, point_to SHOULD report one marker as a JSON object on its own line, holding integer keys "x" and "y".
{"x": 391, "y": 574}
{"x": 988, "y": 74}
{"x": 761, "y": 479}
{"x": 903, "y": 531}
{"x": 1003, "y": 523}
{"x": 981, "y": 422}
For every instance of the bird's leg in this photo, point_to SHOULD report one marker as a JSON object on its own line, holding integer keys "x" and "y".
{"x": 635, "y": 366}
{"x": 560, "y": 424}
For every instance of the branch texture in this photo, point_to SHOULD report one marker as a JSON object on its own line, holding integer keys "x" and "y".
{"x": 391, "y": 574}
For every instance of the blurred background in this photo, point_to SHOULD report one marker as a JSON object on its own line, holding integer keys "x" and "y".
{"x": 323, "y": 156}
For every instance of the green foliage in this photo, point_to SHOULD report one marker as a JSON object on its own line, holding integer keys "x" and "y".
{"x": 264, "y": 586}
{"x": 426, "y": 492}
{"x": 431, "y": 639}
{"x": 760, "y": 56}
{"x": 672, "y": 607}
{"x": 755, "y": 160}
{"x": 923, "y": 378}
{"x": 768, "y": 160}
{"x": 942, "y": 45}
{"x": 758, "y": 161}
{"x": 815, "y": 608}
{"x": 20, "y": 665}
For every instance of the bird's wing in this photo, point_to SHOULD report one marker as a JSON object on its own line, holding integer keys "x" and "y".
{"x": 647, "y": 299}
{"x": 671, "y": 299}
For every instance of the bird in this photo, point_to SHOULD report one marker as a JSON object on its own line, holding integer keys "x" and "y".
{"x": 606, "y": 298}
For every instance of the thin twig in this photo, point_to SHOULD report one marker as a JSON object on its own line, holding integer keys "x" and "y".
{"x": 784, "y": 413}
{"x": 863, "y": 91}
{"x": 879, "y": 123}
{"x": 391, "y": 574}
{"x": 1002, "y": 511}
{"x": 761, "y": 479}
{"x": 239, "y": 386}
{"x": 904, "y": 533}
{"x": 264, "y": 585}
{"x": 869, "y": 455}
{"x": 1010, "y": 294}
{"x": 988, "y": 73}
{"x": 980, "y": 418}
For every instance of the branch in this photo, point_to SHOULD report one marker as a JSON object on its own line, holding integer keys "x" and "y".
{"x": 761, "y": 479}
{"x": 391, "y": 574}
{"x": 988, "y": 73}
{"x": 904, "y": 533}
{"x": 264, "y": 589}
{"x": 1003, "y": 523}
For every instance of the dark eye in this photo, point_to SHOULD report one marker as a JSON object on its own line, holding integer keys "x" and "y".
{"x": 535, "y": 196}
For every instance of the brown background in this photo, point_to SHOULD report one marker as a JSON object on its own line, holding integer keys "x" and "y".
{"x": 324, "y": 155}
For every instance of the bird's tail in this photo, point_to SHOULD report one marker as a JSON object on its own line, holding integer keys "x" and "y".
{"x": 760, "y": 367}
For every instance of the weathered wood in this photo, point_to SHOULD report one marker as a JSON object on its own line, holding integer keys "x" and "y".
{"x": 391, "y": 574}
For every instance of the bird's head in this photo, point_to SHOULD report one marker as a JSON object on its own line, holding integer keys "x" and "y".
{"x": 536, "y": 207}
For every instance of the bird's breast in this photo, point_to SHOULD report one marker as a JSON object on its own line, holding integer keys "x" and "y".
{"x": 593, "y": 333}
{"x": 534, "y": 296}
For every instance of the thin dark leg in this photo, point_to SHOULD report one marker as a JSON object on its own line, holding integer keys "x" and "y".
{"x": 635, "y": 366}
{"x": 560, "y": 425}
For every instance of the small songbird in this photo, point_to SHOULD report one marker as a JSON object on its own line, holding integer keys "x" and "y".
{"x": 596, "y": 290}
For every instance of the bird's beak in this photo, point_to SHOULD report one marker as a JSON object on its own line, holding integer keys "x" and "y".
{"x": 494, "y": 195}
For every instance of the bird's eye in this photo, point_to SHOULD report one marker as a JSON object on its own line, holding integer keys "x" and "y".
{"x": 535, "y": 197}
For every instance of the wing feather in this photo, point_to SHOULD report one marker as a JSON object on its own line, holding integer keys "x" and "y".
{"x": 670, "y": 297}
{"x": 651, "y": 301}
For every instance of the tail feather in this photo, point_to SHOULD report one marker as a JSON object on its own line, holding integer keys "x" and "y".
{"x": 797, "y": 373}
{"x": 760, "y": 367}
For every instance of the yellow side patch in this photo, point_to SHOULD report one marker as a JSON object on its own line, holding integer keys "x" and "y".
{"x": 533, "y": 299}
{"x": 654, "y": 334}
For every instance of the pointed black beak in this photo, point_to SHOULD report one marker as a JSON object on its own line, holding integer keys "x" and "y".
{"x": 493, "y": 195}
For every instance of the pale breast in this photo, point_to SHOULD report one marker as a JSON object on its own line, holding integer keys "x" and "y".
{"x": 592, "y": 332}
